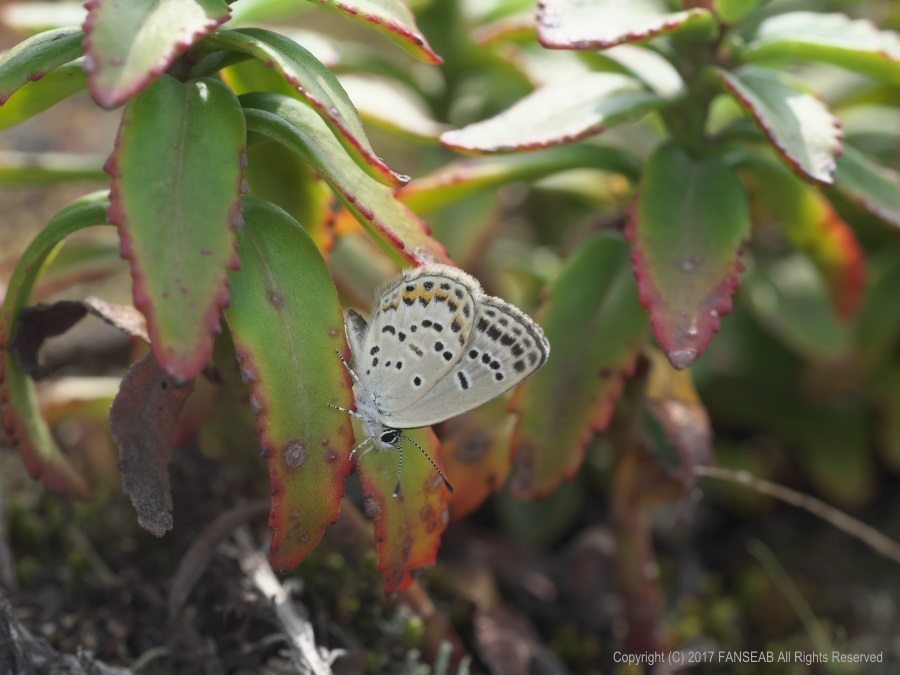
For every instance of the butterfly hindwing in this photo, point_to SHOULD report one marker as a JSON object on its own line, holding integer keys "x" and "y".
{"x": 505, "y": 347}
{"x": 420, "y": 325}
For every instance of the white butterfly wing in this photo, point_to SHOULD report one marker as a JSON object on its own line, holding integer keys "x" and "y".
{"x": 504, "y": 348}
{"x": 419, "y": 328}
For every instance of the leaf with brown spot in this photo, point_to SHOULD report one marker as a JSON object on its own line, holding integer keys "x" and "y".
{"x": 475, "y": 450}
{"x": 23, "y": 427}
{"x": 408, "y": 526}
{"x": 597, "y": 327}
{"x": 175, "y": 196}
{"x": 143, "y": 420}
{"x": 287, "y": 326}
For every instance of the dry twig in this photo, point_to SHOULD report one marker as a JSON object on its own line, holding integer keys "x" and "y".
{"x": 308, "y": 658}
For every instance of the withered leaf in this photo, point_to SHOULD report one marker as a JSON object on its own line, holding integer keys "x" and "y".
{"x": 143, "y": 420}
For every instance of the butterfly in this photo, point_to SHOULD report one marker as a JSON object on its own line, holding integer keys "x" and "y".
{"x": 436, "y": 346}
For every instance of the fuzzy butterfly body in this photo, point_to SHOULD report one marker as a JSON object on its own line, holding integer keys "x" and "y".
{"x": 436, "y": 346}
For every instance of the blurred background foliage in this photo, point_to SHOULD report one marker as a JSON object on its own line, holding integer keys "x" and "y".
{"x": 798, "y": 389}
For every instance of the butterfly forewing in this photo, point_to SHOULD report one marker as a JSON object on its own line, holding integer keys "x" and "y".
{"x": 419, "y": 329}
{"x": 504, "y": 347}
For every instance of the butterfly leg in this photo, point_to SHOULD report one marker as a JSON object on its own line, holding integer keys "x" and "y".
{"x": 347, "y": 410}
{"x": 353, "y": 451}
{"x": 352, "y": 372}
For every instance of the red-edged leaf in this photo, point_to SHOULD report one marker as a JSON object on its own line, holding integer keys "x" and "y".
{"x": 600, "y": 24}
{"x": 855, "y": 44}
{"x": 686, "y": 230}
{"x": 23, "y": 428}
{"x": 397, "y": 230}
{"x": 799, "y": 126}
{"x": 33, "y": 58}
{"x": 813, "y": 226}
{"x": 557, "y": 114}
{"x": 408, "y": 526}
{"x": 475, "y": 448}
{"x": 175, "y": 196}
{"x": 314, "y": 84}
{"x": 391, "y": 18}
{"x": 874, "y": 187}
{"x": 129, "y": 44}
{"x": 596, "y": 327}
{"x": 287, "y": 325}
{"x": 143, "y": 420}
{"x": 461, "y": 179}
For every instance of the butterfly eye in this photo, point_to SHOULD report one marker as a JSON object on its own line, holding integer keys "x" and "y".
{"x": 390, "y": 436}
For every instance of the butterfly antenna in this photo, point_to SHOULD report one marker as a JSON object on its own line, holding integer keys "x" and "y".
{"x": 433, "y": 463}
{"x": 399, "y": 473}
{"x": 352, "y": 372}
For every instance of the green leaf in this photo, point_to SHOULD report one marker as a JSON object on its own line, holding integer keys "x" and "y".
{"x": 689, "y": 222}
{"x": 32, "y": 59}
{"x": 874, "y": 187}
{"x": 396, "y": 229}
{"x": 387, "y": 104}
{"x": 855, "y": 44}
{"x": 175, "y": 197}
{"x": 280, "y": 176}
{"x": 48, "y": 168}
{"x": 557, "y": 114}
{"x": 79, "y": 263}
{"x": 461, "y": 179}
{"x": 391, "y": 18}
{"x": 287, "y": 325}
{"x": 813, "y": 226}
{"x": 23, "y": 427}
{"x": 595, "y": 323}
{"x": 35, "y": 97}
{"x": 315, "y": 85}
{"x": 791, "y": 301}
{"x": 878, "y": 328}
{"x": 800, "y": 127}
{"x": 600, "y": 24}
{"x": 733, "y": 11}
{"x": 643, "y": 64}
{"x": 408, "y": 526}
{"x": 129, "y": 44}
{"x": 254, "y": 11}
